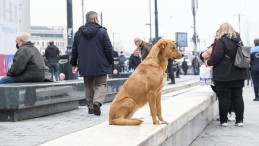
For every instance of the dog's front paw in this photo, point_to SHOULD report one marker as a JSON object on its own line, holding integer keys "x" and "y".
{"x": 164, "y": 122}
{"x": 156, "y": 122}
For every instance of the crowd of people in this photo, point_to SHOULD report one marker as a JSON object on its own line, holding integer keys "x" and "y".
{"x": 93, "y": 56}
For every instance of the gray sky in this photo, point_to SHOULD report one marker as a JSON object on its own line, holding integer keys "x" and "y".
{"x": 126, "y": 18}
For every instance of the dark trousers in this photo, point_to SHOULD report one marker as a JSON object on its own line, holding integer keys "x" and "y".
{"x": 255, "y": 78}
{"x": 95, "y": 89}
{"x": 226, "y": 95}
{"x": 54, "y": 70}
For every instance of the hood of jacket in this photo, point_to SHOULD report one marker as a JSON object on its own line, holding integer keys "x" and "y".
{"x": 236, "y": 39}
{"x": 90, "y": 29}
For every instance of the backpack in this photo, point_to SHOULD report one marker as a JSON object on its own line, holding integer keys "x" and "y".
{"x": 242, "y": 58}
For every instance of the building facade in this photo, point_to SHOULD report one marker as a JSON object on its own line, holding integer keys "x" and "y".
{"x": 14, "y": 18}
{"x": 42, "y": 35}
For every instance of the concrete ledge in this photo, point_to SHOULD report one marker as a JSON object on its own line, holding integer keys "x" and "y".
{"x": 21, "y": 101}
{"x": 187, "y": 114}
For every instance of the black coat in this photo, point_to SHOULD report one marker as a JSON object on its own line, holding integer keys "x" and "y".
{"x": 92, "y": 50}
{"x": 134, "y": 61}
{"x": 28, "y": 65}
{"x": 52, "y": 54}
{"x": 223, "y": 68}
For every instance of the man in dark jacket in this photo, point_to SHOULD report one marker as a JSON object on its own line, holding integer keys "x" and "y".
{"x": 254, "y": 67}
{"x": 28, "y": 64}
{"x": 92, "y": 54}
{"x": 134, "y": 60}
{"x": 52, "y": 55}
{"x": 144, "y": 47}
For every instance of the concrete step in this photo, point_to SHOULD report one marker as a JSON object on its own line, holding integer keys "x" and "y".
{"x": 188, "y": 112}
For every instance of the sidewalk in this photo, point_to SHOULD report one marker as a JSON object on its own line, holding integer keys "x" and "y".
{"x": 215, "y": 135}
{"x": 40, "y": 130}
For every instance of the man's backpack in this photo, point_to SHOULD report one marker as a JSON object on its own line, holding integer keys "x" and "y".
{"x": 242, "y": 58}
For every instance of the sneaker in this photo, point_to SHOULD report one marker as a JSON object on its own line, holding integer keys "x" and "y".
{"x": 97, "y": 109}
{"x": 232, "y": 117}
{"x": 239, "y": 124}
{"x": 224, "y": 124}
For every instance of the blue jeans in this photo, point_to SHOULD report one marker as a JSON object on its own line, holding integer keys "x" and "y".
{"x": 196, "y": 70}
{"x": 7, "y": 79}
{"x": 54, "y": 70}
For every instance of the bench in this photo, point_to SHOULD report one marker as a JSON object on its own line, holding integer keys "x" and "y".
{"x": 21, "y": 101}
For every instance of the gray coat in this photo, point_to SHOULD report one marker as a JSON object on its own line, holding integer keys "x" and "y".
{"x": 28, "y": 65}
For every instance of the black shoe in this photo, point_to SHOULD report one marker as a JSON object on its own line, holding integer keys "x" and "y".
{"x": 256, "y": 99}
{"x": 171, "y": 83}
{"x": 97, "y": 109}
{"x": 90, "y": 111}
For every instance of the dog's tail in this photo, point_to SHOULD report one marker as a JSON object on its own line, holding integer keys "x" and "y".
{"x": 125, "y": 121}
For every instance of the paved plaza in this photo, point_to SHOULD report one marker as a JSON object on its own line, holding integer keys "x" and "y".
{"x": 40, "y": 130}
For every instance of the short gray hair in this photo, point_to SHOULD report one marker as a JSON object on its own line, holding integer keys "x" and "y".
{"x": 256, "y": 42}
{"x": 24, "y": 36}
{"x": 91, "y": 15}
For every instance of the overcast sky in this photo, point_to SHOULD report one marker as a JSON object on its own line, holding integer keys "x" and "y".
{"x": 126, "y": 19}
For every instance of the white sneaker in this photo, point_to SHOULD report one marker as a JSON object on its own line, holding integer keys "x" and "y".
{"x": 232, "y": 116}
{"x": 239, "y": 124}
{"x": 224, "y": 124}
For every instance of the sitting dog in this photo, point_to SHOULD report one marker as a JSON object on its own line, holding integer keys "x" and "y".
{"x": 144, "y": 85}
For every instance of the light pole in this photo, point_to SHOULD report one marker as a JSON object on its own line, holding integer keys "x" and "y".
{"x": 83, "y": 12}
{"x": 194, "y": 37}
{"x": 150, "y": 29}
{"x": 156, "y": 21}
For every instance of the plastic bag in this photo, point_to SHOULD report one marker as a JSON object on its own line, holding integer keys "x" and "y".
{"x": 206, "y": 75}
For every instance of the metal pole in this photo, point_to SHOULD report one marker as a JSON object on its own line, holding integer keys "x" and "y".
{"x": 239, "y": 23}
{"x": 194, "y": 38}
{"x": 69, "y": 27}
{"x": 101, "y": 18}
{"x": 83, "y": 13}
{"x": 67, "y": 66}
{"x": 156, "y": 21}
{"x": 150, "y": 29}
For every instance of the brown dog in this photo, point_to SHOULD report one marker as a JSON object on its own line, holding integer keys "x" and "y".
{"x": 144, "y": 85}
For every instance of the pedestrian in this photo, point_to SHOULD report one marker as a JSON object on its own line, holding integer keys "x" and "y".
{"x": 254, "y": 67}
{"x": 122, "y": 60}
{"x": 144, "y": 47}
{"x": 170, "y": 71}
{"x": 134, "y": 60}
{"x": 195, "y": 65}
{"x": 228, "y": 78}
{"x": 52, "y": 55}
{"x": 184, "y": 66}
{"x": 28, "y": 63}
{"x": 92, "y": 55}
{"x": 205, "y": 56}
{"x": 177, "y": 69}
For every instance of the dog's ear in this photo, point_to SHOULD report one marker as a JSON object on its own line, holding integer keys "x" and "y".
{"x": 163, "y": 44}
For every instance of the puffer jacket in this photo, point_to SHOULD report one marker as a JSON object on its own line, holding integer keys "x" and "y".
{"x": 223, "y": 68}
{"x": 28, "y": 65}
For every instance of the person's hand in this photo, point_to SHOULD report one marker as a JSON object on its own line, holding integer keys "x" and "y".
{"x": 74, "y": 69}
